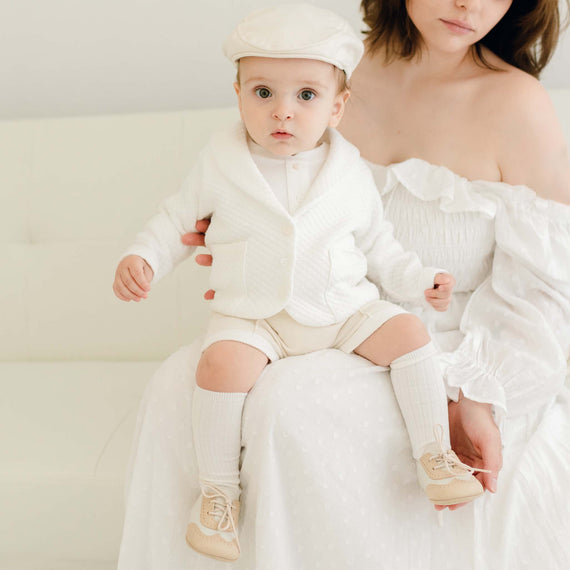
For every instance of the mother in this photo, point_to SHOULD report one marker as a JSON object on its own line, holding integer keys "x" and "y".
{"x": 446, "y": 108}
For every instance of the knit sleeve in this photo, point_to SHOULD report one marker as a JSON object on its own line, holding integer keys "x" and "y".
{"x": 517, "y": 323}
{"x": 159, "y": 242}
{"x": 399, "y": 273}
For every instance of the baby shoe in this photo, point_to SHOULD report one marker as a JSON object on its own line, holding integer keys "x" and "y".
{"x": 212, "y": 530}
{"x": 444, "y": 478}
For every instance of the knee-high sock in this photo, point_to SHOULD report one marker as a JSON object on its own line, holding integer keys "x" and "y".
{"x": 216, "y": 425}
{"x": 418, "y": 385}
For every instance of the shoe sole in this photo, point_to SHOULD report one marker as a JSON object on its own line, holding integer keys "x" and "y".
{"x": 211, "y": 555}
{"x": 456, "y": 501}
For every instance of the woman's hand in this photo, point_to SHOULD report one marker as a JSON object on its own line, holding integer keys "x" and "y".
{"x": 439, "y": 296}
{"x": 476, "y": 439}
{"x": 198, "y": 239}
{"x": 132, "y": 279}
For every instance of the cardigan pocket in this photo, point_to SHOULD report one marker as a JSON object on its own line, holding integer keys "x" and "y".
{"x": 348, "y": 265}
{"x": 227, "y": 277}
{"x": 347, "y": 270}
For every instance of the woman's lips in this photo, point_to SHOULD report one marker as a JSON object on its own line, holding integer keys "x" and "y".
{"x": 457, "y": 27}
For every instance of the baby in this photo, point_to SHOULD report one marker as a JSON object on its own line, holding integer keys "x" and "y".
{"x": 300, "y": 248}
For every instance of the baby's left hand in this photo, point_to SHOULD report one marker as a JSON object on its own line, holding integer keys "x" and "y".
{"x": 440, "y": 296}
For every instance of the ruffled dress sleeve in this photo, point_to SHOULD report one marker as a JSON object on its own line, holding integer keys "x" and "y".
{"x": 517, "y": 322}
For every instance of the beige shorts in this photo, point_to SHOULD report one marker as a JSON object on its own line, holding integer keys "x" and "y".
{"x": 280, "y": 336}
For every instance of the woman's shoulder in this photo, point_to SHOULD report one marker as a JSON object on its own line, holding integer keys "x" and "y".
{"x": 530, "y": 146}
{"x": 502, "y": 86}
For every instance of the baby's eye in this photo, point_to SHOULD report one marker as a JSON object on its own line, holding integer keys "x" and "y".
{"x": 263, "y": 92}
{"x": 306, "y": 95}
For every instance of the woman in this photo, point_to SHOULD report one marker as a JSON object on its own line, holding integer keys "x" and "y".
{"x": 456, "y": 129}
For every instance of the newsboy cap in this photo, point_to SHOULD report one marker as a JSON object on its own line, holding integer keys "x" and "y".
{"x": 296, "y": 31}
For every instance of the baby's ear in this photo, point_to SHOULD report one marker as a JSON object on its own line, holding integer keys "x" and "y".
{"x": 338, "y": 107}
{"x": 237, "y": 89}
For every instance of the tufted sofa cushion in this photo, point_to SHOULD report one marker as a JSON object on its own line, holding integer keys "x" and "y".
{"x": 74, "y": 193}
{"x": 73, "y": 359}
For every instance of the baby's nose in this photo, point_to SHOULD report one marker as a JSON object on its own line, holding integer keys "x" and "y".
{"x": 282, "y": 113}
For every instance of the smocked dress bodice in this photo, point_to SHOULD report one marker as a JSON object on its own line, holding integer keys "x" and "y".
{"x": 461, "y": 242}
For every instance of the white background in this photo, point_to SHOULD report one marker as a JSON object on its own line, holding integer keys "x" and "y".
{"x": 84, "y": 57}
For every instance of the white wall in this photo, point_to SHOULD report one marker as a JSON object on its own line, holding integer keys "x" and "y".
{"x": 76, "y": 57}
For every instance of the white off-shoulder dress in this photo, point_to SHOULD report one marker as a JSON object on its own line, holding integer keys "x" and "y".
{"x": 327, "y": 472}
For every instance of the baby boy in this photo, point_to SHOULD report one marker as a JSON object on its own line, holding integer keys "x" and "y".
{"x": 300, "y": 249}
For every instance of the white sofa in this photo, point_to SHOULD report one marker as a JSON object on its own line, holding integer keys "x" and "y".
{"x": 74, "y": 360}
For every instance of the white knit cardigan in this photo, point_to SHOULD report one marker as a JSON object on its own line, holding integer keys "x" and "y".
{"x": 320, "y": 264}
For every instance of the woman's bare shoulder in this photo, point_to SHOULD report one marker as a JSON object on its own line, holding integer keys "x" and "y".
{"x": 517, "y": 88}
{"x": 529, "y": 143}
{"x": 501, "y": 84}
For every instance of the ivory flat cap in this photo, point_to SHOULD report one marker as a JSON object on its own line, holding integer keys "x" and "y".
{"x": 296, "y": 31}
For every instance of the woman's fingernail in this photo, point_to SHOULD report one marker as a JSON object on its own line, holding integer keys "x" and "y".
{"x": 493, "y": 486}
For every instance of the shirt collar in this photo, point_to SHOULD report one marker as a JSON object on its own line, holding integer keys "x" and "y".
{"x": 317, "y": 154}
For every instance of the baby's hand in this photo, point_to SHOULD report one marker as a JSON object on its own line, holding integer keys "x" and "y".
{"x": 440, "y": 296}
{"x": 132, "y": 279}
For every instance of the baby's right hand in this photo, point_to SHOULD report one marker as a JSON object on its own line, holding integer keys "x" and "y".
{"x": 132, "y": 279}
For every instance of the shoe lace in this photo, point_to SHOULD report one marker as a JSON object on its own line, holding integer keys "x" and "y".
{"x": 222, "y": 507}
{"x": 446, "y": 459}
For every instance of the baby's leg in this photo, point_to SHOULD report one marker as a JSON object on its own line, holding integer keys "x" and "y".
{"x": 403, "y": 343}
{"x": 226, "y": 372}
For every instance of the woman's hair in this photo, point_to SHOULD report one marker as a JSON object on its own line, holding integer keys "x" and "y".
{"x": 525, "y": 37}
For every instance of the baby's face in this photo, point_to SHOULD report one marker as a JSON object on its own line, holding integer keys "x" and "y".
{"x": 287, "y": 104}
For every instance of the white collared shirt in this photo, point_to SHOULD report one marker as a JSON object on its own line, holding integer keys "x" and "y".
{"x": 289, "y": 177}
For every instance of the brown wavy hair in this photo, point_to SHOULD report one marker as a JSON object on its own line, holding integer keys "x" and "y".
{"x": 525, "y": 37}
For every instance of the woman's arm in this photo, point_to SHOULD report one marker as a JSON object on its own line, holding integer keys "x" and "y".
{"x": 517, "y": 322}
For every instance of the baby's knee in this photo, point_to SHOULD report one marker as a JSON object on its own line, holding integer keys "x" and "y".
{"x": 209, "y": 365}
{"x": 412, "y": 331}
{"x": 229, "y": 366}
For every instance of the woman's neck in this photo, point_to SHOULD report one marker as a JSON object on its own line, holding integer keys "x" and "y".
{"x": 431, "y": 66}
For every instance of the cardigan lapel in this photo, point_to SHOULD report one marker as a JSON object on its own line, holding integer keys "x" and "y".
{"x": 341, "y": 158}
{"x": 234, "y": 160}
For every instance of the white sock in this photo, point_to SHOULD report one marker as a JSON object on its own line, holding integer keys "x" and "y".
{"x": 216, "y": 426}
{"x": 418, "y": 384}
